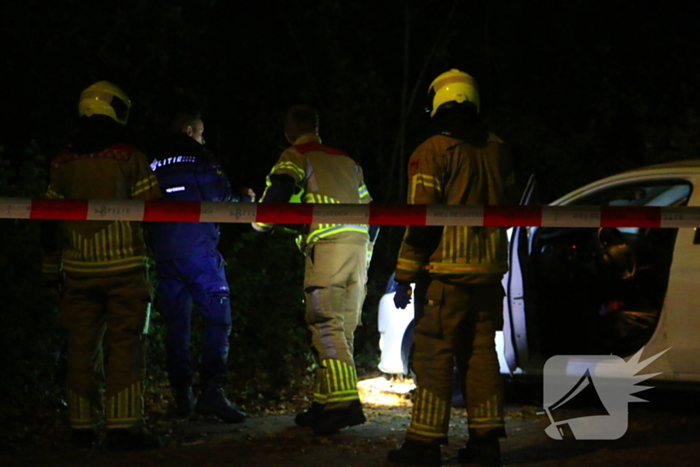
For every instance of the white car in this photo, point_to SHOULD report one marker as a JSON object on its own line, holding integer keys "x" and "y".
{"x": 588, "y": 291}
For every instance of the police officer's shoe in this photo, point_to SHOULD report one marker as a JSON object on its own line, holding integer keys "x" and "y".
{"x": 213, "y": 402}
{"x": 132, "y": 439}
{"x": 310, "y": 416}
{"x": 480, "y": 453}
{"x": 333, "y": 420}
{"x": 84, "y": 438}
{"x": 184, "y": 401}
{"x": 414, "y": 452}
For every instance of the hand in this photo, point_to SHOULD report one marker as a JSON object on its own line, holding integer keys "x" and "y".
{"x": 402, "y": 297}
{"x": 249, "y": 193}
{"x": 55, "y": 287}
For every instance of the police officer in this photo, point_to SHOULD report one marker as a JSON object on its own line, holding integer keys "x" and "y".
{"x": 191, "y": 269}
{"x": 459, "y": 163}
{"x": 335, "y": 269}
{"x": 102, "y": 268}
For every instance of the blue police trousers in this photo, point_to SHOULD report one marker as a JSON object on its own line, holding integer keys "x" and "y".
{"x": 199, "y": 280}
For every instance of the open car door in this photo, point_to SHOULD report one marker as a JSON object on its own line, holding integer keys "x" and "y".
{"x": 515, "y": 284}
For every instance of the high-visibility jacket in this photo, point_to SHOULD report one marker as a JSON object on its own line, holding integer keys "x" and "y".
{"x": 447, "y": 170}
{"x": 323, "y": 175}
{"x": 93, "y": 247}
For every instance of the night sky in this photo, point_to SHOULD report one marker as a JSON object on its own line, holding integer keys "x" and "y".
{"x": 601, "y": 85}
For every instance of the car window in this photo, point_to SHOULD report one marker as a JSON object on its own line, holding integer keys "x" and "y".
{"x": 666, "y": 193}
{"x": 674, "y": 193}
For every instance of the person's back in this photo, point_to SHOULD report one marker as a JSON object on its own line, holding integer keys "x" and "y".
{"x": 325, "y": 175}
{"x": 102, "y": 267}
{"x": 191, "y": 271}
{"x": 186, "y": 172}
{"x": 468, "y": 167}
{"x": 460, "y": 163}
{"x": 99, "y": 166}
{"x": 335, "y": 269}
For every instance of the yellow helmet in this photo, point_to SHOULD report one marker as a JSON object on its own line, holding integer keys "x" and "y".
{"x": 453, "y": 85}
{"x": 104, "y": 98}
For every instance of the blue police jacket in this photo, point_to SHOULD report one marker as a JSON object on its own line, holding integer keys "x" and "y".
{"x": 186, "y": 171}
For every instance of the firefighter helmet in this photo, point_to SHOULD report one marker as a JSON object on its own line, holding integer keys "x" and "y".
{"x": 453, "y": 85}
{"x": 104, "y": 98}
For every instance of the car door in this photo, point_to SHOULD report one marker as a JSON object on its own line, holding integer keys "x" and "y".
{"x": 678, "y": 309}
{"x": 515, "y": 345}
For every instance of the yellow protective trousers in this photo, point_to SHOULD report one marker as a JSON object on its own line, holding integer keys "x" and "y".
{"x": 106, "y": 316}
{"x": 458, "y": 326}
{"x": 334, "y": 286}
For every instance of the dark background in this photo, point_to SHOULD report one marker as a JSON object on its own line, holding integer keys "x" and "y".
{"x": 579, "y": 90}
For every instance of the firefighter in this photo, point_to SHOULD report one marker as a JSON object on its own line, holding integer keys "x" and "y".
{"x": 101, "y": 267}
{"x": 335, "y": 265}
{"x": 191, "y": 269}
{"x": 459, "y": 163}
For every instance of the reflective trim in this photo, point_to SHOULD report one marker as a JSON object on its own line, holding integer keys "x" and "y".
{"x": 50, "y": 268}
{"x": 109, "y": 244}
{"x": 123, "y": 423}
{"x": 80, "y": 412}
{"x": 337, "y": 382}
{"x": 117, "y": 265}
{"x": 336, "y": 397}
{"x": 125, "y": 409}
{"x": 285, "y": 165}
{"x": 50, "y": 193}
{"x": 423, "y": 180}
{"x": 408, "y": 265}
{"x": 144, "y": 185}
{"x": 363, "y": 191}
{"x": 474, "y": 268}
{"x": 488, "y": 414}
{"x": 325, "y": 230}
{"x": 430, "y": 417}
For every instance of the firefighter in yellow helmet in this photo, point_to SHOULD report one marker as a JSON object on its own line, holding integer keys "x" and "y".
{"x": 335, "y": 269}
{"x": 459, "y": 163}
{"x": 100, "y": 268}
{"x": 104, "y": 98}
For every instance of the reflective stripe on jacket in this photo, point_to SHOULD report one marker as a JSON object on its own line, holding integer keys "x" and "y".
{"x": 325, "y": 175}
{"x": 446, "y": 170}
{"x": 93, "y": 247}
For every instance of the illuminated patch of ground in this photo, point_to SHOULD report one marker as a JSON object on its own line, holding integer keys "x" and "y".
{"x": 386, "y": 393}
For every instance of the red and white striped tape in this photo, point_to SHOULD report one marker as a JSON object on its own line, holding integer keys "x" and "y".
{"x": 377, "y": 214}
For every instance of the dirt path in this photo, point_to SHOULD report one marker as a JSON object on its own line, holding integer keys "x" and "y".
{"x": 655, "y": 438}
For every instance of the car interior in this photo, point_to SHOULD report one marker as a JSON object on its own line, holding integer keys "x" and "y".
{"x": 597, "y": 291}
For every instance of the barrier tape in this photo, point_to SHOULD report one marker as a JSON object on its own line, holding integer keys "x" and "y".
{"x": 376, "y": 214}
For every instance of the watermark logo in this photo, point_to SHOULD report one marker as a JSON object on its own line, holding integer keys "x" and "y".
{"x": 606, "y": 382}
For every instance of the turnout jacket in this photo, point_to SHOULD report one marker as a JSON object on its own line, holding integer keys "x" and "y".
{"x": 186, "y": 171}
{"x": 447, "y": 170}
{"x": 95, "y": 247}
{"x": 322, "y": 175}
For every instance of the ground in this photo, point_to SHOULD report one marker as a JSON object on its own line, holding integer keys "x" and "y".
{"x": 661, "y": 434}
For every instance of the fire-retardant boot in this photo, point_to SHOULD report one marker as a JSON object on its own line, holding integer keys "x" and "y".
{"x": 85, "y": 438}
{"x": 132, "y": 439}
{"x": 310, "y": 416}
{"x": 418, "y": 453}
{"x": 331, "y": 421}
{"x": 213, "y": 401}
{"x": 481, "y": 453}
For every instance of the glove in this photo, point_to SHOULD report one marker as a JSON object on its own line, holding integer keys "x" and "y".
{"x": 262, "y": 228}
{"x": 402, "y": 297}
{"x": 54, "y": 286}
